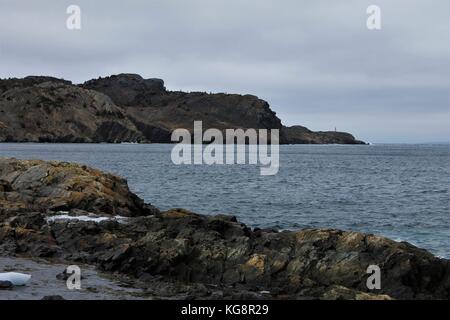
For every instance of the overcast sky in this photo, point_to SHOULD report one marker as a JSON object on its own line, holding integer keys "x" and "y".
{"x": 315, "y": 62}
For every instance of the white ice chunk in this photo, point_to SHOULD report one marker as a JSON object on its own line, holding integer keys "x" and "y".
{"x": 83, "y": 218}
{"x": 17, "y": 279}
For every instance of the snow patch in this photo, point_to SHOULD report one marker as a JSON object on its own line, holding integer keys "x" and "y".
{"x": 93, "y": 218}
{"x": 17, "y": 279}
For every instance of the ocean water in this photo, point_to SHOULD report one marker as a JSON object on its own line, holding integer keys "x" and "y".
{"x": 399, "y": 191}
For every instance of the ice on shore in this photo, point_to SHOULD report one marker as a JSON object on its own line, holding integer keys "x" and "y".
{"x": 93, "y": 218}
{"x": 17, "y": 279}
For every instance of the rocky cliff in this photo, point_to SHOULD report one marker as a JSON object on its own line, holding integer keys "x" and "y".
{"x": 178, "y": 252}
{"x": 42, "y": 109}
{"x": 128, "y": 108}
{"x": 152, "y": 107}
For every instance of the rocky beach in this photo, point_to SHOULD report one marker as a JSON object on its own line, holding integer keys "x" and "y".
{"x": 57, "y": 214}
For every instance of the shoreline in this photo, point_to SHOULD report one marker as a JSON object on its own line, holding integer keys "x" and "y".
{"x": 188, "y": 251}
{"x": 436, "y": 243}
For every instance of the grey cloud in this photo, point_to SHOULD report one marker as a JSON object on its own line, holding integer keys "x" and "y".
{"x": 314, "y": 61}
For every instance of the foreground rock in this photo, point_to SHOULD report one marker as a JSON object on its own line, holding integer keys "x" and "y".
{"x": 33, "y": 185}
{"x": 218, "y": 257}
{"x": 128, "y": 108}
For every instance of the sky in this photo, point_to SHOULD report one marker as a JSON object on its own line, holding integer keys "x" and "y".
{"x": 315, "y": 62}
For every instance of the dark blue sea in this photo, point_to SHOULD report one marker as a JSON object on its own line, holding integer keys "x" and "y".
{"x": 399, "y": 191}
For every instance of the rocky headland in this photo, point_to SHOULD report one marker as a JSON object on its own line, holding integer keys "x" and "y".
{"x": 72, "y": 214}
{"x": 128, "y": 108}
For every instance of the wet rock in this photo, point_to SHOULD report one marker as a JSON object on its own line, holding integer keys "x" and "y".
{"x": 6, "y": 285}
{"x": 193, "y": 251}
{"x": 182, "y": 246}
{"x": 64, "y": 275}
{"x": 53, "y": 298}
{"x": 343, "y": 293}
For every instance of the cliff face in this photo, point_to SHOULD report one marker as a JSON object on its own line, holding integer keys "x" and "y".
{"x": 128, "y": 108}
{"x": 50, "y": 110}
{"x": 157, "y": 112}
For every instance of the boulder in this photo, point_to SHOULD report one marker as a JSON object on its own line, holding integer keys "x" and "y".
{"x": 4, "y": 285}
{"x": 35, "y": 185}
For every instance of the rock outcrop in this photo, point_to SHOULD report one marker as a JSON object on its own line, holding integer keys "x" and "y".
{"x": 127, "y": 90}
{"x": 302, "y": 135}
{"x": 151, "y": 107}
{"x": 207, "y": 256}
{"x": 128, "y": 108}
{"x": 51, "y": 110}
{"x": 34, "y": 185}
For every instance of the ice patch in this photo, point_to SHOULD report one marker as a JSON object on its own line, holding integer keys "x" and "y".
{"x": 93, "y": 218}
{"x": 17, "y": 279}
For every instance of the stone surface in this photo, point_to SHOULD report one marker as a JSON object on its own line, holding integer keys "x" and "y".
{"x": 178, "y": 251}
{"x": 6, "y": 285}
{"x": 34, "y": 185}
{"x": 57, "y": 111}
{"x": 127, "y": 89}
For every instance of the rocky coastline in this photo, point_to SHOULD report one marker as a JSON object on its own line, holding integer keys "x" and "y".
{"x": 128, "y": 108}
{"x": 66, "y": 213}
